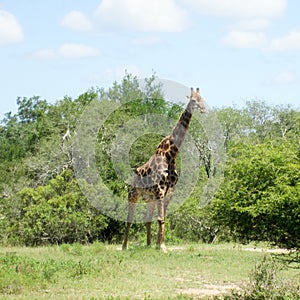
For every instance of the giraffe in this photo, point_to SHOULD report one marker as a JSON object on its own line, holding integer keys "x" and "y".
{"x": 155, "y": 180}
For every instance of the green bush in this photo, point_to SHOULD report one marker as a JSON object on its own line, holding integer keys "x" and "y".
{"x": 265, "y": 285}
{"x": 52, "y": 214}
{"x": 259, "y": 199}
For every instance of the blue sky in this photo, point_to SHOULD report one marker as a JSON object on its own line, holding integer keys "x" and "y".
{"x": 233, "y": 50}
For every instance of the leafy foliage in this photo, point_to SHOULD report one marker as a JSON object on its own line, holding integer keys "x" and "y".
{"x": 55, "y": 213}
{"x": 40, "y": 201}
{"x": 259, "y": 199}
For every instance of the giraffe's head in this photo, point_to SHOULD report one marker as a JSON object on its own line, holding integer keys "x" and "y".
{"x": 196, "y": 100}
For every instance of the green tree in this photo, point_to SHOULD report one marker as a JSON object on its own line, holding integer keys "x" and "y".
{"x": 52, "y": 214}
{"x": 259, "y": 199}
{"x": 236, "y": 124}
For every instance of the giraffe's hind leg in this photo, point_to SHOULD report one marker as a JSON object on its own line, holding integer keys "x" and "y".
{"x": 132, "y": 200}
{"x": 148, "y": 219}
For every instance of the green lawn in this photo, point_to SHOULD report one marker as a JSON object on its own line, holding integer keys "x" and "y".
{"x": 101, "y": 271}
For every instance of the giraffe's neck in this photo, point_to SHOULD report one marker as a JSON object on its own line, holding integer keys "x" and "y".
{"x": 178, "y": 134}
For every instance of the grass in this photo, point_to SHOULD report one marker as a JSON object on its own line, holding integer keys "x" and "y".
{"x": 102, "y": 271}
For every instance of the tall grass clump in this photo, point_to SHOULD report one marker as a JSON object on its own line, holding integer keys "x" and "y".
{"x": 265, "y": 284}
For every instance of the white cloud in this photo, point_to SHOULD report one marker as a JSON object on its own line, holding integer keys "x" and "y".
{"x": 254, "y": 17}
{"x": 10, "y": 30}
{"x": 142, "y": 15}
{"x": 67, "y": 51}
{"x": 245, "y": 39}
{"x": 240, "y": 9}
{"x": 251, "y": 25}
{"x": 291, "y": 41}
{"x": 257, "y": 39}
{"x": 285, "y": 77}
{"x": 77, "y": 51}
{"x": 77, "y": 21}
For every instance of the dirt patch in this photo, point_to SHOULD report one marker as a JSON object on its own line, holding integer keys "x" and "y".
{"x": 209, "y": 290}
{"x": 279, "y": 251}
{"x": 176, "y": 248}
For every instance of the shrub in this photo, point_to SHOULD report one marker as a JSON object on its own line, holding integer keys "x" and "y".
{"x": 265, "y": 285}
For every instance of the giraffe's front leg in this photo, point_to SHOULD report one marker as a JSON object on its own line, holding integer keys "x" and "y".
{"x": 168, "y": 199}
{"x": 161, "y": 226}
{"x": 162, "y": 206}
{"x": 161, "y": 240}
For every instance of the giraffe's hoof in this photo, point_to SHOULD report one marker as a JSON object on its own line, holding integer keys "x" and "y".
{"x": 162, "y": 248}
{"x": 124, "y": 247}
